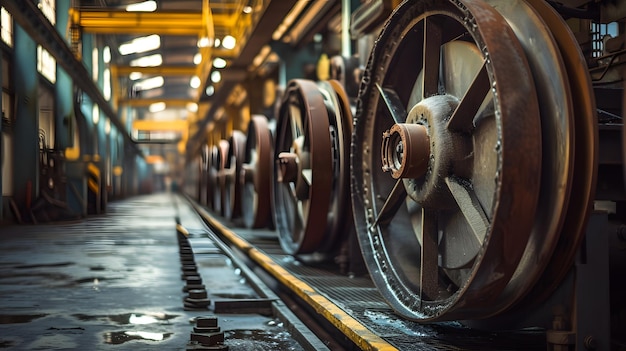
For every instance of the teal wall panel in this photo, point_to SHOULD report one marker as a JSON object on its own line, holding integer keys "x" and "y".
{"x": 26, "y": 150}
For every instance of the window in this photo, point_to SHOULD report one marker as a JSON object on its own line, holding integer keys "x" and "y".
{"x": 7, "y": 92}
{"x": 46, "y": 64}
{"x": 7, "y": 27}
{"x": 48, "y": 9}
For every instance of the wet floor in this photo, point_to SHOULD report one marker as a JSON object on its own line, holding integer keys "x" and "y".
{"x": 114, "y": 281}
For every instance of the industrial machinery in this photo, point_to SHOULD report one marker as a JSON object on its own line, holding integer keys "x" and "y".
{"x": 486, "y": 165}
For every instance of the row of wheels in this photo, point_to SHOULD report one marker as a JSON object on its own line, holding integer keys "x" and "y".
{"x": 474, "y": 123}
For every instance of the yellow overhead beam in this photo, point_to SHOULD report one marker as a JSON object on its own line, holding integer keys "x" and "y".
{"x": 138, "y": 102}
{"x": 157, "y": 70}
{"x": 161, "y": 126}
{"x": 158, "y": 22}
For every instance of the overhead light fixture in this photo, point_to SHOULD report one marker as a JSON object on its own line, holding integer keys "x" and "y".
{"x": 107, "y": 126}
{"x": 197, "y": 59}
{"x": 261, "y": 56}
{"x": 192, "y": 107}
{"x": 135, "y": 75}
{"x": 247, "y": 9}
{"x": 289, "y": 19}
{"x": 141, "y": 44}
{"x": 157, "y": 107}
{"x": 204, "y": 42}
{"x": 229, "y": 42}
{"x": 210, "y": 90}
{"x": 147, "y": 61}
{"x": 146, "y": 6}
{"x": 150, "y": 83}
{"x": 95, "y": 114}
{"x": 216, "y": 76}
{"x": 217, "y": 42}
{"x": 106, "y": 54}
{"x": 219, "y": 62}
{"x": 195, "y": 82}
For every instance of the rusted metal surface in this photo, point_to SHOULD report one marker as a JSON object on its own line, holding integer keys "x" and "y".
{"x": 302, "y": 204}
{"x": 256, "y": 176}
{"x": 232, "y": 191}
{"x": 585, "y": 166}
{"x": 220, "y": 164}
{"x": 444, "y": 245}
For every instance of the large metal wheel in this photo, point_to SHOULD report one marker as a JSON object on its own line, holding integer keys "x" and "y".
{"x": 212, "y": 181}
{"x": 256, "y": 176}
{"x": 445, "y": 204}
{"x": 220, "y": 166}
{"x": 232, "y": 190}
{"x": 311, "y": 172}
{"x": 585, "y": 149}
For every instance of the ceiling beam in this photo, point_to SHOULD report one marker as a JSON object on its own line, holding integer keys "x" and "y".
{"x": 158, "y": 22}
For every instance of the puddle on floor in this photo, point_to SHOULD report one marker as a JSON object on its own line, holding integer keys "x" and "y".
{"x": 5, "y": 344}
{"x": 259, "y": 340}
{"x": 129, "y": 318}
{"x": 45, "y": 265}
{"x": 19, "y": 318}
{"x": 120, "y": 337}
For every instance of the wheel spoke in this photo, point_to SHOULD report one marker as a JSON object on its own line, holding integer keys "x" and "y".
{"x": 462, "y": 119}
{"x": 432, "y": 54}
{"x": 394, "y": 105}
{"x": 307, "y": 174}
{"x": 429, "y": 271}
{"x": 296, "y": 128}
{"x": 392, "y": 204}
{"x": 471, "y": 208}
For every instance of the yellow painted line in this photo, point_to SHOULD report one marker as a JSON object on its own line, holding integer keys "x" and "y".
{"x": 350, "y": 327}
{"x": 182, "y": 230}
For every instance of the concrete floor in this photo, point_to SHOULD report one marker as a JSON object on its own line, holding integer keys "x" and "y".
{"x": 113, "y": 282}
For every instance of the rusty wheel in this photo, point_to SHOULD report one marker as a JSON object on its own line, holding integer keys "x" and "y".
{"x": 219, "y": 165}
{"x": 445, "y": 204}
{"x": 585, "y": 149}
{"x": 256, "y": 175}
{"x": 212, "y": 184}
{"x": 310, "y": 174}
{"x": 231, "y": 192}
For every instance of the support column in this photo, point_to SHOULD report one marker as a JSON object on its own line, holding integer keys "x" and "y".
{"x": 26, "y": 149}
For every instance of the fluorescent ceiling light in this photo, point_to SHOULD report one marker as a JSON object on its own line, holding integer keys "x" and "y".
{"x": 157, "y": 107}
{"x": 192, "y": 106}
{"x": 247, "y": 9}
{"x": 148, "y": 61}
{"x": 217, "y": 42}
{"x": 146, "y": 6}
{"x": 219, "y": 62}
{"x": 106, "y": 54}
{"x": 135, "y": 75}
{"x": 195, "y": 82}
{"x": 229, "y": 42}
{"x": 141, "y": 44}
{"x": 150, "y": 83}
{"x": 210, "y": 90}
{"x": 204, "y": 42}
{"x": 197, "y": 58}
{"x": 216, "y": 76}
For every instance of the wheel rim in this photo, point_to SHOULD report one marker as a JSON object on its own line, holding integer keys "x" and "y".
{"x": 302, "y": 180}
{"x": 232, "y": 172}
{"x": 557, "y": 134}
{"x": 585, "y": 150}
{"x": 218, "y": 199}
{"x": 212, "y": 183}
{"x": 256, "y": 177}
{"x": 465, "y": 245}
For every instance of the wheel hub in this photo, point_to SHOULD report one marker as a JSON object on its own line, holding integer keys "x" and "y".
{"x": 422, "y": 152}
